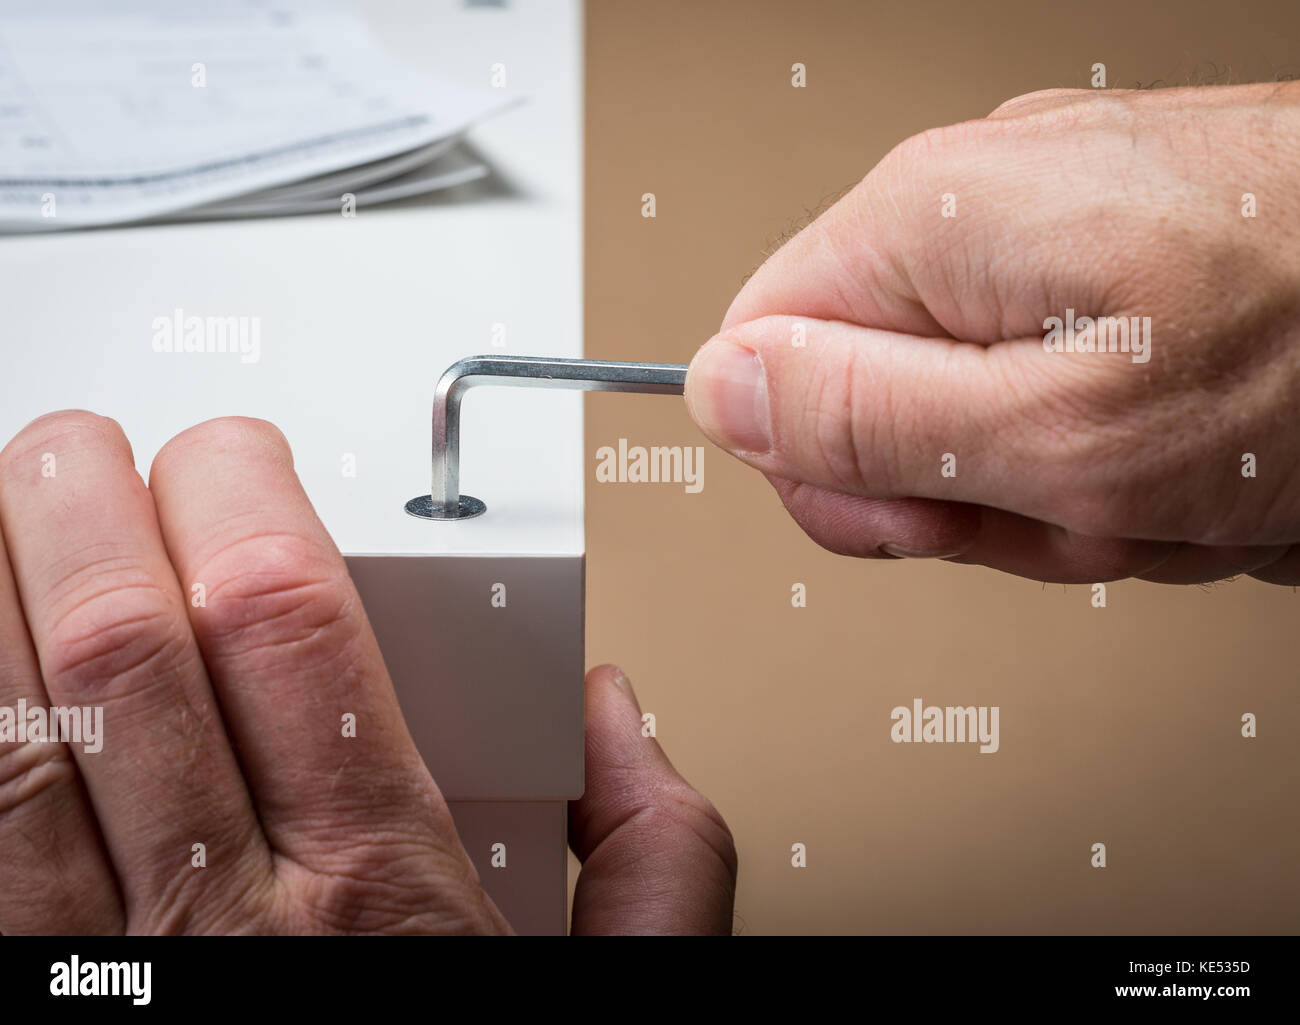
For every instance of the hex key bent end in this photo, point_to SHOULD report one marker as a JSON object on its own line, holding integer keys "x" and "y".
{"x": 445, "y": 502}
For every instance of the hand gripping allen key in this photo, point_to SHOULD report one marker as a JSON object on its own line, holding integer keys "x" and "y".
{"x": 445, "y": 502}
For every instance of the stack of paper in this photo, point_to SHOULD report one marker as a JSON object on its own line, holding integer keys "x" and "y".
{"x": 167, "y": 109}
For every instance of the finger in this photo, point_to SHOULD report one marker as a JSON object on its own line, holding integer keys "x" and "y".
{"x": 920, "y": 245}
{"x": 656, "y": 856}
{"x": 1285, "y": 569}
{"x": 295, "y": 665}
{"x": 871, "y": 528}
{"x": 1110, "y": 102}
{"x": 108, "y": 621}
{"x": 1200, "y": 564}
{"x": 1044, "y": 551}
{"x": 57, "y": 879}
{"x": 850, "y": 264}
{"x": 968, "y": 534}
{"x": 884, "y": 415}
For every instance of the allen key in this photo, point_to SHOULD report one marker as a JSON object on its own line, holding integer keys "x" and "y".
{"x": 445, "y": 502}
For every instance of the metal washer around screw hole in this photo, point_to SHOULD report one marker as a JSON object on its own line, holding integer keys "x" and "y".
{"x": 423, "y": 506}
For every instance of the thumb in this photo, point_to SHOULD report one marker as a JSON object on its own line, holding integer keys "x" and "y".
{"x": 864, "y": 411}
{"x": 882, "y": 443}
{"x": 656, "y": 856}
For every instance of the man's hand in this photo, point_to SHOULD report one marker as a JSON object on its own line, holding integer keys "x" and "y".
{"x": 887, "y": 369}
{"x": 223, "y": 721}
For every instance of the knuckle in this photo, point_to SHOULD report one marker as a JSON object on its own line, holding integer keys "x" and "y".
{"x": 921, "y": 148}
{"x": 903, "y": 191}
{"x": 833, "y": 426}
{"x": 278, "y": 592}
{"x": 897, "y": 180}
{"x": 712, "y": 829}
{"x": 396, "y": 886}
{"x": 848, "y": 425}
{"x": 944, "y": 147}
{"x": 683, "y": 812}
{"x": 350, "y": 903}
{"x": 345, "y": 904}
{"x": 1031, "y": 102}
{"x": 169, "y": 896}
{"x": 30, "y": 772}
{"x": 105, "y": 631}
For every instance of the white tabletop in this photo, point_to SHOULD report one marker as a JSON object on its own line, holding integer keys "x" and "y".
{"x": 358, "y": 317}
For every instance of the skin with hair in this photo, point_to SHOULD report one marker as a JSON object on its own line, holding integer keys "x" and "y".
{"x": 223, "y": 721}
{"x": 887, "y": 343}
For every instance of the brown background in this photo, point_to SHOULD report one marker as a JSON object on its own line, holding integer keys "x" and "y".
{"x": 1118, "y": 725}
